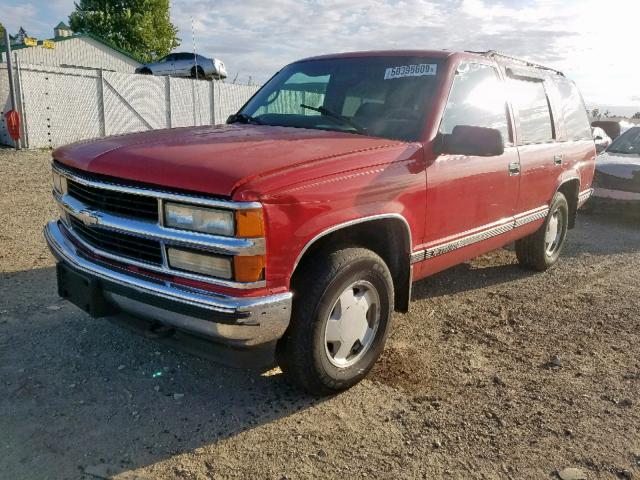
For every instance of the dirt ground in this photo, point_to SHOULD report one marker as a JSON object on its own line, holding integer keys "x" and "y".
{"x": 496, "y": 373}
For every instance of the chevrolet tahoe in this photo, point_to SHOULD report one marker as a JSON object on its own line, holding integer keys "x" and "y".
{"x": 302, "y": 223}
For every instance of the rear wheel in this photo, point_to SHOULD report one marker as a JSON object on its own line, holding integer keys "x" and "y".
{"x": 197, "y": 72}
{"x": 340, "y": 320}
{"x": 540, "y": 250}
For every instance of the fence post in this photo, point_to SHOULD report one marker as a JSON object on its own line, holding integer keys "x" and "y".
{"x": 193, "y": 100}
{"x": 12, "y": 87}
{"x": 102, "y": 117}
{"x": 22, "y": 111}
{"x": 168, "y": 100}
{"x": 213, "y": 102}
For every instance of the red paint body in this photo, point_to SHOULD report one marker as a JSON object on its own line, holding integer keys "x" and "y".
{"x": 310, "y": 181}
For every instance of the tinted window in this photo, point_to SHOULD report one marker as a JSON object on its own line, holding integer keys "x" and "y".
{"x": 576, "y": 121}
{"x": 530, "y": 98}
{"x": 184, "y": 56}
{"x": 477, "y": 99}
{"x": 628, "y": 142}
{"x": 386, "y": 96}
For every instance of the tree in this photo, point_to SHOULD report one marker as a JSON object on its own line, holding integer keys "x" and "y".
{"x": 636, "y": 116}
{"x": 140, "y": 27}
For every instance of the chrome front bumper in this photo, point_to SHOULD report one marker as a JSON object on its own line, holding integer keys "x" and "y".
{"x": 236, "y": 321}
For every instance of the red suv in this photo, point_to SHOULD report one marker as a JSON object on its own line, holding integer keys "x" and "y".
{"x": 301, "y": 224}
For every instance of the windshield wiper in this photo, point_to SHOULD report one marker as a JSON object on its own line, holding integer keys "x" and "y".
{"x": 344, "y": 120}
{"x": 243, "y": 118}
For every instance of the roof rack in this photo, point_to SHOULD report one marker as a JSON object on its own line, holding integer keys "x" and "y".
{"x": 493, "y": 54}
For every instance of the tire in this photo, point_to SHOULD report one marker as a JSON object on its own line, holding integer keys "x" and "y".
{"x": 199, "y": 71}
{"x": 306, "y": 354}
{"x": 536, "y": 251}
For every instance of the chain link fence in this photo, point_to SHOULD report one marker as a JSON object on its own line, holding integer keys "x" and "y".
{"x": 63, "y": 105}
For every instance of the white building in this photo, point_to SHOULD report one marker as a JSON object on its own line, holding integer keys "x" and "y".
{"x": 67, "y": 49}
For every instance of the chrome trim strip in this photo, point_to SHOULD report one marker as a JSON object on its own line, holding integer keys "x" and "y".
{"x": 151, "y": 230}
{"x": 64, "y": 250}
{"x": 351, "y": 223}
{"x": 531, "y": 216}
{"x": 470, "y": 239}
{"x": 150, "y": 192}
{"x": 584, "y": 196}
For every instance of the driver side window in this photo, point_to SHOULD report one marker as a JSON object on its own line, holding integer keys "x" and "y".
{"x": 477, "y": 99}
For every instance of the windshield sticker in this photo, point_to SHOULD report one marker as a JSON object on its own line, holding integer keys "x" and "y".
{"x": 417, "y": 70}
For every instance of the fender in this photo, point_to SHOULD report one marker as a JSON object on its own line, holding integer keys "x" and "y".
{"x": 350, "y": 223}
{"x": 403, "y": 279}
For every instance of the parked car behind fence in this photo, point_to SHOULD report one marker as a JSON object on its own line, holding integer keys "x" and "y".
{"x": 186, "y": 64}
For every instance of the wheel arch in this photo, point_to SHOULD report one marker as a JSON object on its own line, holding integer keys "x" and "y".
{"x": 570, "y": 188}
{"x": 388, "y": 235}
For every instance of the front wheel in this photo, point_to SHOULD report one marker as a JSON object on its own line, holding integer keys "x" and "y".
{"x": 341, "y": 316}
{"x": 540, "y": 250}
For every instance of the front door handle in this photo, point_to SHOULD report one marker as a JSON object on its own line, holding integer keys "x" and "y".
{"x": 557, "y": 159}
{"x": 514, "y": 169}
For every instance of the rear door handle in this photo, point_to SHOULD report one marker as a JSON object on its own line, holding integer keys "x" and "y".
{"x": 557, "y": 159}
{"x": 514, "y": 168}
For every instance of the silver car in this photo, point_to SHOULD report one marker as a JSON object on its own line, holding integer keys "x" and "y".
{"x": 186, "y": 65}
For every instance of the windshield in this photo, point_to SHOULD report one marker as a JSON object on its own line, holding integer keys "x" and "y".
{"x": 379, "y": 96}
{"x": 628, "y": 142}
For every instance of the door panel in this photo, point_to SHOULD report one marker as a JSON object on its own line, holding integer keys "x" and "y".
{"x": 467, "y": 194}
{"x": 541, "y": 156}
{"x": 540, "y": 173}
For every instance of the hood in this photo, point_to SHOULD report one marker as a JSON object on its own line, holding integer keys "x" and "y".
{"x": 619, "y": 165}
{"x": 214, "y": 159}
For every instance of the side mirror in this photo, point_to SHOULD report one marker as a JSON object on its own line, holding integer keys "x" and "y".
{"x": 472, "y": 141}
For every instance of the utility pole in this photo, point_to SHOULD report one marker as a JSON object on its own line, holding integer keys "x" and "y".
{"x": 195, "y": 57}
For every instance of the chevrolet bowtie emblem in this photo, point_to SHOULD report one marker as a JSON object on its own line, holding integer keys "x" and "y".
{"x": 88, "y": 217}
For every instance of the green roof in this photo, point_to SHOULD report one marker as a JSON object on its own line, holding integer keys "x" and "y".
{"x": 62, "y": 26}
{"x": 79, "y": 35}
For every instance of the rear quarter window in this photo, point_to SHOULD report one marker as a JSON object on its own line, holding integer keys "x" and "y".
{"x": 576, "y": 121}
{"x": 530, "y": 99}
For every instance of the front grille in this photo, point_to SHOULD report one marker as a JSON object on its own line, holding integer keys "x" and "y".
{"x": 612, "y": 182}
{"x": 129, "y": 246}
{"x": 110, "y": 201}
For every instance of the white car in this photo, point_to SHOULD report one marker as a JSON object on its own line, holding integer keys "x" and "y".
{"x": 186, "y": 65}
{"x": 601, "y": 138}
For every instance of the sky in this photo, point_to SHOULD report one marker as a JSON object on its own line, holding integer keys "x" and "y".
{"x": 591, "y": 41}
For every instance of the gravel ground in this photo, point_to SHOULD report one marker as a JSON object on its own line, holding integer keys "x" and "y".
{"x": 496, "y": 373}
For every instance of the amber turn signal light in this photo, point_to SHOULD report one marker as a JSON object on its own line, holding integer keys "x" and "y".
{"x": 249, "y": 268}
{"x": 249, "y": 223}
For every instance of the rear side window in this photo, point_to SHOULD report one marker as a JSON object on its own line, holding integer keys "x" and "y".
{"x": 530, "y": 99}
{"x": 477, "y": 99}
{"x": 576, "y": 121}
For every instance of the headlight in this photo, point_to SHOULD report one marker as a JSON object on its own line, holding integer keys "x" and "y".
{"x": 199, "y": 219}
{"x": 206, "y": 264}
{"x": 59, "y": 183}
